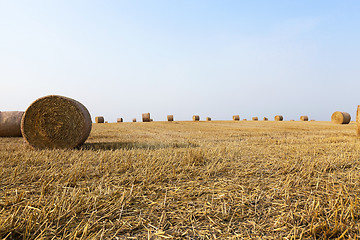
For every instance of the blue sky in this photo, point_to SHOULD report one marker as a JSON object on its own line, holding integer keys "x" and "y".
{"x": 211, "y": 58}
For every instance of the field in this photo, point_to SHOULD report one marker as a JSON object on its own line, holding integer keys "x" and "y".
{"x": 186, "y": 180}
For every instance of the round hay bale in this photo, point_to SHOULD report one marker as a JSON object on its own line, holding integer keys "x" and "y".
{"x": 292, "y": 120}
{"x": 358, "y": 120}
{"x": 196, "y": 118}
{"x": 106, "y": 121}
{"x": 208, "y": 119}
{"x": 244, "y": 119}
{"x": 56, "y": 122}
{"x": 255, "y": 118}
{"x": 304, "y": 118}
{"x": 340, "y": 117}
{"x": 151, "y": 120}
{"x": 120, "y": 120}
{"x": 236, "y": 118}
{"x": 134, "y": 119}
{"x": 146, "y": 117}
{"x": 265, "y": 119}
{"x": 170, "y": 118}
{"x": 278, "y": 118}
{"x": 99, "y": 119}
{"x": 312, "y": 120}
{"x": 10, "y": 124}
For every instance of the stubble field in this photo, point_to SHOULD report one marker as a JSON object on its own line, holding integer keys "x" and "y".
{"x": 186, "y": 180}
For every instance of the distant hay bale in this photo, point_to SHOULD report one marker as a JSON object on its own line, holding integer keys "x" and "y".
{"x": 151, "y": 119}
{"x": 292, "y": 120}
{"x": 312, "y": 120}
{"x": 106, "y": 121}
{"x": 278, "y": 118}
{"x": 170, "y": 118}
{"x": 134, "y": 119}
{"x": 10, "y": 124}
{"x": 146, "y": 117}
{"x": 255, "y": 118}
{"x": 208, "y": 119}
{"x": 304, "y": 118}
{"x": 56, "y": 122}
{"x": 236, "y": 118}
{"x": 244, "y": 119}
{"x": 358, "y": 120}
{"x": 265, "y": 119}
{"x": 340, "y": 117}
{"x": 120, "y": 120}
{"x": 196, "y": 118}
{"x": 99, "y": 119}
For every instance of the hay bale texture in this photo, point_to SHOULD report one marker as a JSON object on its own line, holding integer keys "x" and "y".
{"x": 120, "y": 120}
{"x": 340, "y": 117}
{"x": 99, "y": 119}
{"x": 358, "y": 120}
{"x": 170, "y": 118}
{"x": 236, "y": 118}
{"x": 278, "y": 118}
{"x": 265, "y": 119}
{"x": 208, "y": 118}
{"x": 304, "y": 118}
{"x": 196, "y": 118}
{"x": 56, "y": 122}
{"x": 10, "y": 124}
{"x": 255, "y": 118}
{"x": 146, "y": 117}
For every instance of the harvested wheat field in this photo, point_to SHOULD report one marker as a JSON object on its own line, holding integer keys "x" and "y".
{"x": 186, "y": 180}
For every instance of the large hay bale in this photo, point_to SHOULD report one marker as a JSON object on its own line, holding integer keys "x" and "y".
{"x": 304, "y": 118}
{"x": 196, "y": 118}
{"x": 358, "y": 120}
{"x": 146, "y": 117}
{"x": 170, "y": 118}
{"x": 134, "y": 119}
{"x": 56, "y": 122}
{"x": 99, "y": 119}
{"x": 236, "y": 118}
{"x": 340, "y": 117}
{"x": 120, "y": 120}
{"x": 10, "y": 124}
{"x": 208, "y": 119}
{"x": 278, "y": 118}
{"x": 255, "y": 118}
{"x": 265, "y": 119}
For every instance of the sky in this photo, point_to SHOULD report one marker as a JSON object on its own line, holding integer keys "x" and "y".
{"x": 190, "y": 57}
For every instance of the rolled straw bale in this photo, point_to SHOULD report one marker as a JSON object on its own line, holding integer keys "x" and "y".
{"x": 146, "y": 117}
{"x": 278, "y": 118}
{"x": 292, "y": 120}
{"x": 236, "y": 118}
{"x": 99, "y": 119}
{"x": 120, "y": 120}
{"x": 358, "y": 120}
{"x": 312, "y": 120}
{"x": 304, "y": 118}
{"x": 196, "y": 118}
{"x": 340, "y": 117}
{"x": 208, "y": 118}
{"x": 56, "y": 122}
{"x": 134, "y": 119}
{"x": 255, "y": 118}
{"x": 10, "y": 124}
{"x": 151, "y": 119}
{"x": 170, "y": 118}
{"x": 106, "y": 121}
{"x": 265, "y": 119}
{"x": 244, "y": 119}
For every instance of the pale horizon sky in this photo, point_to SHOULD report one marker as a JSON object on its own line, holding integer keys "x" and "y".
{"x": 207, "y": 58}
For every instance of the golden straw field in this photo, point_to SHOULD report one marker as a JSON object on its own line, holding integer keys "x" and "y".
{"x": 186, "y": 180}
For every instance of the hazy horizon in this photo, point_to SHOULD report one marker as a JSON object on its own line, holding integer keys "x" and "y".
{"x": 206, "y": 58}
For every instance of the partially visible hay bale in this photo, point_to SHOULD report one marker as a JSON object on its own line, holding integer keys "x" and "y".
{"x": 340, "y": 117}
{"x": 170, "y": 118}
{"x": 255, "y": 118}
{"x": 106, "y": 121}
{"x": 236, "y": 117}
{"x": 196, "y": 118}
{"x": 292, "y": 120}
{"x": 312, "y": 120}
{"x": 146, "y": 117}
{"x": 278, "y": 118}
{"x": 134, "y": 119}
{"x": 120, "y": 120}
{"x": 208, "y": 119}
{"x": 10, "y": 124}
{"x": 244, "y": 119}
{"x": 151, "y": 119}
{"x": 99, "y": 119}
{"x": 265, "y": 119}
{"x": 358, "y": 120}
{"x": 304, "y": 118}
{"x": 56, "y": 122}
